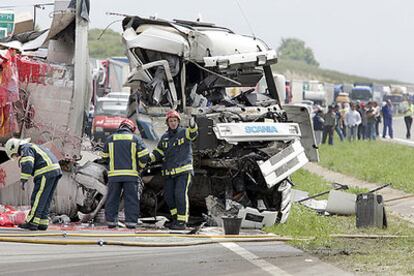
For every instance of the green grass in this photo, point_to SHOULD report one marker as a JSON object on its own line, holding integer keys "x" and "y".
{"x": 377, "y": 162}
{"x": 388, "y": 256}
{"x": 304, "y": 222}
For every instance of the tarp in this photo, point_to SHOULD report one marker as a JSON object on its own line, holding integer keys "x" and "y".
{"x": 9, "y": 216}
{"x": 9, "y": 92}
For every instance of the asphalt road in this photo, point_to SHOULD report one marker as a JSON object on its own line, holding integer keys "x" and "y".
{"x": 253, "y": 258}
{"x": 400, "y": 131}
{"x": 399, "y": 128}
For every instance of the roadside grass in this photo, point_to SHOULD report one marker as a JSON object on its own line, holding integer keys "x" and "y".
{"x": 365, "y": 256}
{"x": 377, "y": 162}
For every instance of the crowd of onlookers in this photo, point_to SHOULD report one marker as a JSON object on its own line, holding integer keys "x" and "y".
{"x": 357, "y": 121}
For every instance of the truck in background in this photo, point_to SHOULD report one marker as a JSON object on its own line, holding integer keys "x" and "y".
{"x": 363, "y": 92}
{"x": 280, "y": 82}
{"x": 379, "y": 92}
{"x": 109, "y": 75}
{"x": 330, "y": 88}
{"x": 314, "y": 90}
{"x": 396, "y": 96}
{"x": 294, "y": 91}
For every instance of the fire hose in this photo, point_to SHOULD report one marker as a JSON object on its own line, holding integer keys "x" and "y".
{"x": 35, "y": 238}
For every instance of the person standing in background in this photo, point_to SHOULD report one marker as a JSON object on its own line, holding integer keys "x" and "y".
{"x": 363, "y": 125}
{"x": 408, "y": 118}
{"x": 337, "y": 125}
{"x": 329, "y": 125}
{"x": 377, "y": 110}
{"x": 352, "y": 121}
{"x": 370, "y": 132}
{"x": 318, "y": 122}
{"x": 387, "y": 112}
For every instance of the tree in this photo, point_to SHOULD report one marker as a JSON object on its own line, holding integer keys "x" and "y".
{"x": 293, "y": 48}
{"x": 108, "y": 45}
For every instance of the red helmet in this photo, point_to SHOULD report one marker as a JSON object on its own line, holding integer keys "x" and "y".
{"x": 173, "y": 114}
{"x": 128, "y": 124}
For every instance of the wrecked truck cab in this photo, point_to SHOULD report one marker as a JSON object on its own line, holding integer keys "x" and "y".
{"x": 248, "y": 144}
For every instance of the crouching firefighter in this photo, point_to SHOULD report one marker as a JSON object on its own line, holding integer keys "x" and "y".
{"x": 126, "y": 155}
{"x": 174, "y": 148}
{"x": 41, "y": 163}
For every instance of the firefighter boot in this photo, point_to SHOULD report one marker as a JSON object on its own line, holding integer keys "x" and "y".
{"x": 29, "y": 226}
{"x": 42, "y": 227}
{"x": 179, "y": 225}
{"x": 111, "y": 224}
{"x": 171, "y": 222}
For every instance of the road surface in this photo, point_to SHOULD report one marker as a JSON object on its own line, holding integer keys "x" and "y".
{"x": 253, "y": 258}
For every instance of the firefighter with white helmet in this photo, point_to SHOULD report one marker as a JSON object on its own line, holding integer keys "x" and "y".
{"x": 174, "y": 149}
{"x": 41, "y": 163}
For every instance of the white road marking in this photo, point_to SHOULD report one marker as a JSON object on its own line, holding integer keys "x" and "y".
{"x": 247, "y": 255}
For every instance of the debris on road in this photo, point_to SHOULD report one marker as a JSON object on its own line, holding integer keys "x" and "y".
{"x": 11, "y": 216}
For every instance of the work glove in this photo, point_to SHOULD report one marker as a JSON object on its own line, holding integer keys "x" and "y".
{"x": 22, "y": 184}
{"x": 192, "y": 122}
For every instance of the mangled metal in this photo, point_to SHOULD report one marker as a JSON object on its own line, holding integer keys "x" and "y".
{"x": 248, "y": 145}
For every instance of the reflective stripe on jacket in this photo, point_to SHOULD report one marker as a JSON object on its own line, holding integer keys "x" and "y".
{"x": 37, "y": 161}
{"x": 174, "y": 148}
{"x": 126, "y": 155}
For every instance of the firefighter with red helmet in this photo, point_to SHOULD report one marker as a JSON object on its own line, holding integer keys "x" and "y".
{"x": 126, "y": 155}
{"x": 174, "y": 149}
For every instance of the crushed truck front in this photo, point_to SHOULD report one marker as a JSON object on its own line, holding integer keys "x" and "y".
{"x": 248, "y": 144}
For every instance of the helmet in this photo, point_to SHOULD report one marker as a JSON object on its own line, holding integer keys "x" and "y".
{"x": 13, "y": 144}
{"x": 173, "y": 114}
{"x": 127, "y": 123}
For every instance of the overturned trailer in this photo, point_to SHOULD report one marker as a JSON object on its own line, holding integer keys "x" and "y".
{"x": 248, "y": 143}
{"x": 44, "y": 91}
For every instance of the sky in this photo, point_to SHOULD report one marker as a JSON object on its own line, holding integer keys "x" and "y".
{"x": 372, "y": 38}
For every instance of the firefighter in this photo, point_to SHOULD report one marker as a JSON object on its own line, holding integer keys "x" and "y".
{"x": 41, "y": 163}
{"x": 126, "y": 155}
{"x": 174, "y": 148}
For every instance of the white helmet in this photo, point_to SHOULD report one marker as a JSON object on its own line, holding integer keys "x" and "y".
{"x": 13, "y": 144}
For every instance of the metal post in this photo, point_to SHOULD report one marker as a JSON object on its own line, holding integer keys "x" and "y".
{"x": 34, "y": 17}
{"x": 81, "y": 75}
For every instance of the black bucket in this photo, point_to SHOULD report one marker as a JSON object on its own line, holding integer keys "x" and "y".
{"x": 231, "y": 225}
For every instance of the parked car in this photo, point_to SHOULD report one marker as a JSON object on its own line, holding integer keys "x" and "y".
{"x": 109, "y": 113}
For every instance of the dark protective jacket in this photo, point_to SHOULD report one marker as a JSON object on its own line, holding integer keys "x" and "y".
{"x": 318, "y": 121}
{"x": 387, "y": 112}
{"x": 126, "y": 155}
{"x": 37, "y": 161}
{"x": 174, "y": 148}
